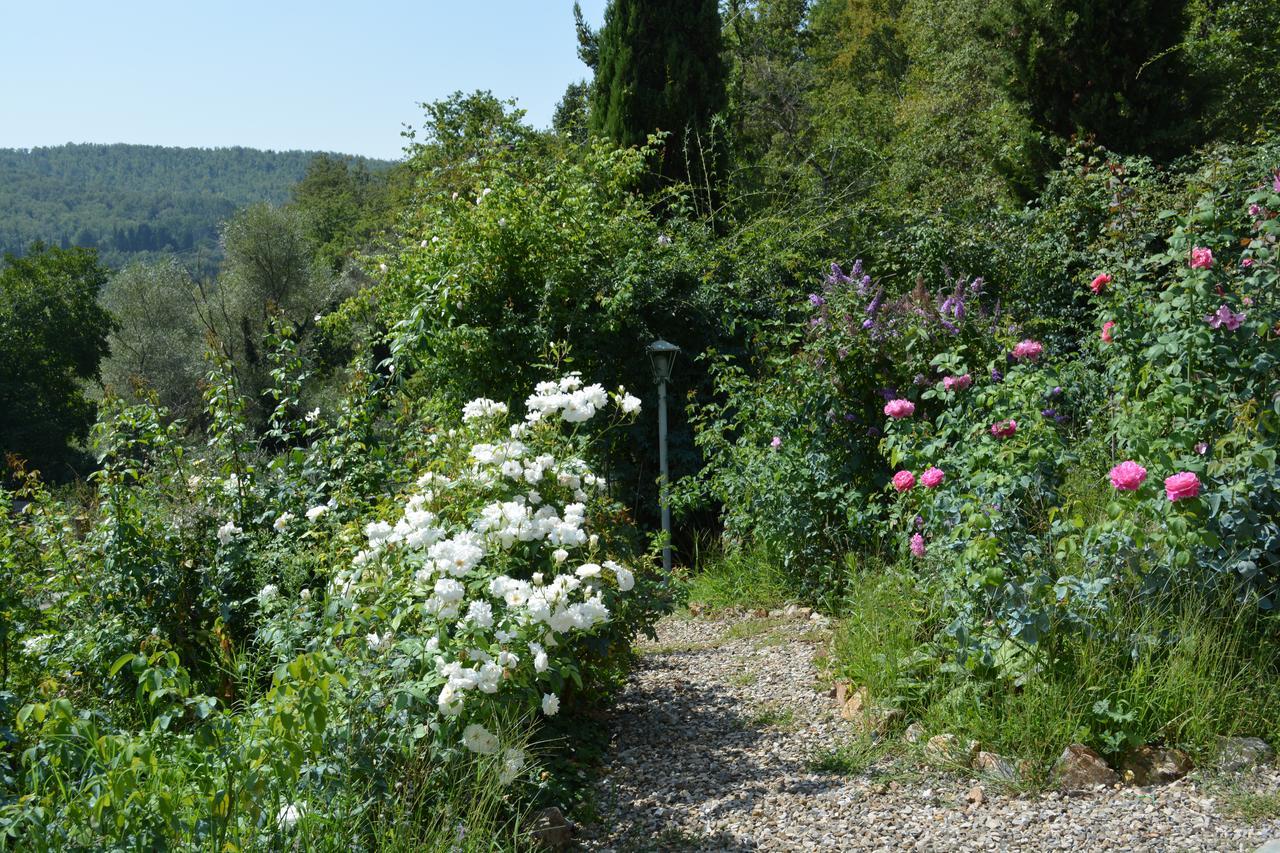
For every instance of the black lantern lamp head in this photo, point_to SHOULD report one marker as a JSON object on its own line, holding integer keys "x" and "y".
{"x": 662, "y": 356}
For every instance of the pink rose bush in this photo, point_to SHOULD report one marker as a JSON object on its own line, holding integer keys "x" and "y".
{"x": 1106, "y": 331}
{"x": 898, "y": 409}
{"x": 904, "y": 481}
{"x": 1099, "y": 283}
{"x": 1201, "y": 258}
{"x": 1128, "y": 476}
{"x": 1182, "y": 486}
{"x": 1028, "y": 350}
{"x": 932, "y": 478}
{"x": 1004, "y": 429}
{"x": 957, "y": 383}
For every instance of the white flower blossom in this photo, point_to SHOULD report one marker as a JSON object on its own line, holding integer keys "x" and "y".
{"x": 316, "y": 511}
{"x": 550, "y": 704}
{"x": 283, "y": 520}
{"x": 228, "y": 532}
{"x": 480, "y": 740}
{"x": 512, "y": 763}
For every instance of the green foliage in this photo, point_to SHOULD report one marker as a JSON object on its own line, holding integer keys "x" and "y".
{"x": 660, "y": 69}
{"x": 133, "y": 201}
{"x": 53, "y": 334}
{"x": 740, "y": 578}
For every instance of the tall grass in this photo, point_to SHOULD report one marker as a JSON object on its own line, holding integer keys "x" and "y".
{"x": 1181, "y": 671}
{"x": 750, "y": 578}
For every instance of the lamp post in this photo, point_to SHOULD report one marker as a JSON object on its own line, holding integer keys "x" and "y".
{"x": 662, "y": 356}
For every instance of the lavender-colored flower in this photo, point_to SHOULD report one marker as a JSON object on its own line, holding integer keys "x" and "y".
{"x": 874, "y": 432}
{"x": 876, "y": 301}
{"x": 1056, "y": 391}
{"x": 919, "y": 521}
{"x": 842, "y": 353}
{"x": 850, "y": 416}
{"x": 949, "y": 327}
{"x": 816, "y": 301}
{"x": 868, "y": 323}
{"x": 919, "y": 379}
{"x": 1048, "y": 413}
{"x": 1202, "y": 448}
{"x": 1275, "y": 182}
{"x": 1255, "y": 209}
{"x": 888, "y": 393}
{"x": 857, "y": 269}
{"x": 976, "y": 285}
{"x": 1224, "y": 316}
{"x": 996, "y": 375}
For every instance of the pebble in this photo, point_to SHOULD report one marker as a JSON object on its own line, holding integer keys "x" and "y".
{"x": 704, "y": 759}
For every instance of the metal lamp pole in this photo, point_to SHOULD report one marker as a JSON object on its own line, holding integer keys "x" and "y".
{"x": 662, "y": 356}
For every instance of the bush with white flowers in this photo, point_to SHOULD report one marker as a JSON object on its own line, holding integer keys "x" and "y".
{"x": 479, "y": 583}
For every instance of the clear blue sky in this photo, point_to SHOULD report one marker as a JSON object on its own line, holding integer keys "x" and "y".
{"x": 318, "y": 75}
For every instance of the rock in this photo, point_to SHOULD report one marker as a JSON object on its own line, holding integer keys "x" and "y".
{"x": 1079, "y": 768}
{"x": 995, "y": 766}
{"x": 852, "y": 704}
{"x": 549, "y": 829}
{"x": 696, "y": 608}
{"x": 1154, "y": 765}
{"x": 877, "y": 721}
{"x": 975, "y": 795}
{"x": 947, "y": 749}
{"x": 914, "y": 733}
{"x": 775, "y": 614}
{"x": 795, "y": 611}
{"x": 1272, "y": 846}
{"x": 843, "y": 690}
{"x": 1241, "y": 753}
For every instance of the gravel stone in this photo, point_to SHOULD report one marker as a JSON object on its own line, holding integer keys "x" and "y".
{"x": 712, "y": 741}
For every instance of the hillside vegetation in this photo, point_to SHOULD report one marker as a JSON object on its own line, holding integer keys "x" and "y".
{"x": 138, "y": 200}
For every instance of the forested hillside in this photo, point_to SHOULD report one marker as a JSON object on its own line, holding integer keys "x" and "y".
{"x": 127, "y": 200}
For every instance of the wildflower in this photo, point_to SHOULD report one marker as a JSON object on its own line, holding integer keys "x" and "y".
{"x": 1181, "y": 486}
{"x": 776, "y": 443}
{"x": 996, "y": 376}
{"x": 1224, "y": 316}
{"x": 268, "y": 593}
{"x": 283, "y": 520}
{"x": 957, "y": 383}
{"x": 1004, "y": 429}
{"x": 816, "y": 300}
{"x": 1201, "y": 448}
{"x": 664, "y": 240}
{"x": 227, "y": 532}
{"x": 480, "y": 740}
{"x": 1099, "y": 282}
{"x": 1201, "y": 258}
{"x": 932, "y": 478}
{"x": 316, "y": 511}
{"x": 904, "y": 481}
{"x": 1246, "y": 262}
{"x": 898, "y": 409}
{"x": 1128, "y": 476}
{"x": 550, "y": 704}
{"x": 917, "y": 546}
{"x": 312, "y": 415}
{"x": 1106, "y": 331}
{"x": 1028, "y": 349}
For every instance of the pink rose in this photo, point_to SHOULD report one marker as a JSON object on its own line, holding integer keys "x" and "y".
{"x": 1182, "y": 485}
{"x": 1028, "y": 349}
{"x": 776, "y": 443}
{"x": 1106, "y": 331}
{"x": 1099, "y": 282}
{"x": 1201, "y": 258}
{"x": 917, "y": 546}
{"x": 1004, "y": 429}
{"x": 932, "y": 478}
{"x": 1246, "y": 262}
{"x": 957, "y": 383}
{"x": 904, "y": 480}
{"x": 1128, "y": 476}
{"x": 898, "y": 409}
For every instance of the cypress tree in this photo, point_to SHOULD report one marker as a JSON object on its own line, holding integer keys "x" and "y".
{"x": 659, "y": 68}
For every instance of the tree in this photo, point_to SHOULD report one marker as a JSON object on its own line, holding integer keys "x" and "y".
{"x": 157, "y": 345}
{"x": 53, "y": 334}
{"x": 660, "y": 68}
{"x": 1113, "y": 71}
{"x": 570, "y": 118}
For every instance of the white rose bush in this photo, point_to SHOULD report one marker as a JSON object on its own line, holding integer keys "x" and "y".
{"x": 480, "y": 586}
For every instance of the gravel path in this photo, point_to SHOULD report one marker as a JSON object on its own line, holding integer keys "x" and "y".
{"x": 713, "y": 744}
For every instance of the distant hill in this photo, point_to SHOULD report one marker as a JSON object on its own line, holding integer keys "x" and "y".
{"x": 134, "y": 200}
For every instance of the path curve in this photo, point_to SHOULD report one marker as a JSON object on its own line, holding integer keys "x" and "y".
{"x": 712, "y": 748}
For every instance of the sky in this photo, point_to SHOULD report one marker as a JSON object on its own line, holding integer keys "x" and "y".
{"x": 275, "y": 74}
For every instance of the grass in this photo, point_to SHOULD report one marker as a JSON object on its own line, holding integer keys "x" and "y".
{"x": 1180, "y": 671}
{"x": 851, "y": 757}
{"x": 750, "y": 579}
{"x": 1253, "y": 806}
{"x": 772, "y": 716}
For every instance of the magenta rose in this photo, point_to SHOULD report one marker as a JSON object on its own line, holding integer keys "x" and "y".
{"x": 917, "y": 546}
{"x": 1201, "y": 258}
{"x": 932, "y": 478}
{"x": 1128, "y": 476}
{"x": 1004, "y": 429}
{"x": 898, "y": 409}
{"x": 1181, "y": 486}
{"x": 1028, "y": 350}
{"x": 904, "y": 480}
